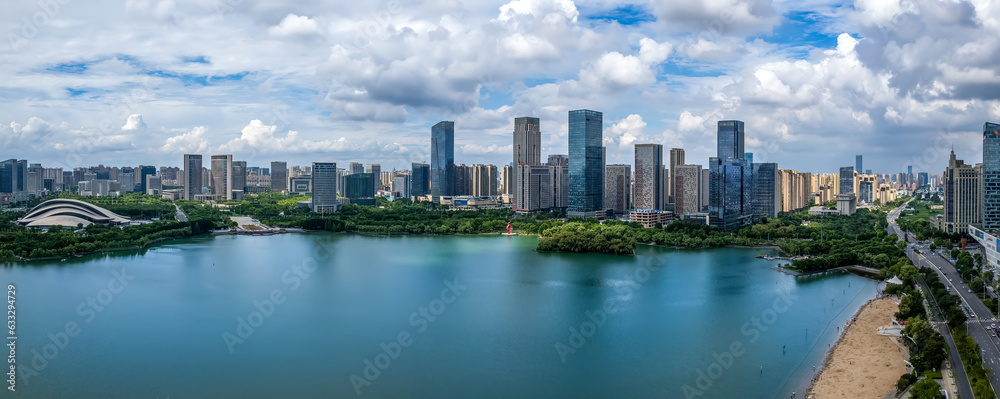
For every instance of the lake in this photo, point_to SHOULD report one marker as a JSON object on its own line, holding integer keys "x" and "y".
{"x": 332, "y": 315}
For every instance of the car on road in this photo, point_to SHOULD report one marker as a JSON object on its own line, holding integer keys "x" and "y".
{"x": 993, "y": 333}
{"x": 972, "y": 315}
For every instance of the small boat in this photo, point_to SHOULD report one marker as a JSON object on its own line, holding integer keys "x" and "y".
{"x": 761, "y": 256}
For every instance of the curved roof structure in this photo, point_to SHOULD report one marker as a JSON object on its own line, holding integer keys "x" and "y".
{"x": 69, "y": 213}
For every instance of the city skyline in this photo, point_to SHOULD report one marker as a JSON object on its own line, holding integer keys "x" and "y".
{"x": 657, "y": 76}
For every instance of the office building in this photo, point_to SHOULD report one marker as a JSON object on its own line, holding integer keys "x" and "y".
{"x": 222, "y": 176}
{"x": 154, "y": 185}
{"x": 766, "y": 192}
{"x": 857, "y": 164}
{"x": 730, "y": 186}
{"x": 192, "y": 176}
{"x": 463, "y": 180}
{"x": 420, "y": 181}
{"x": 534, "y": 188}
{"x": 443, "y": 159}
{"x": 650, "y": 218}
{"x": 527, "y": 148}
{"x": 617, "y": 188}
{"x": 649, "y": 179}
{"x": 730, "y": 140}
{"x": 676, "y": 159}
{"x": 299, "y": 185}
{"x": 963, "y": 196}
{"x": 401, "y": 185}
{"x": 324, "y": 187}
{"x": 356, "y": 168}
{"x": 847, "y": 180}
{"x": 687, "y": 188}
{"x": 706, "y": 178}
{"x": 279, "y": 176}
{"x": 360, "y": 188}
{"x": 239, "y": 176}
{"x": 586, "y": 159}
{"x": 559, "y": 180}
{"x": 144, "y": 170}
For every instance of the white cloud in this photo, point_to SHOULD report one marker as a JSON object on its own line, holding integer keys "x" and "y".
{"x": 295, "y": 25}
{"x": 134, "y": 122}
{"x": 192, "y": 142}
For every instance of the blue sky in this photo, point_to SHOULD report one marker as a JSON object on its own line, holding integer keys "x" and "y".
{"x": 816, "y": 81}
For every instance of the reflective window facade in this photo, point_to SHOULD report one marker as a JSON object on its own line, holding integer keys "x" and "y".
{"x": 586, "y": 161}
{"x": 730, "y": 143}
{"x": 991, "y": 176}
{"x": 324, "y": 186}
{"x": 443, "y": 158}
{"x": 847, "y": 180}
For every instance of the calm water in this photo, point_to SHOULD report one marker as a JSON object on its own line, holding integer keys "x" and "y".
{"x": 195, "y": 321}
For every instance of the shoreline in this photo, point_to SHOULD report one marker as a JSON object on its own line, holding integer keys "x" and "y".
{"x": 859, "y": 354}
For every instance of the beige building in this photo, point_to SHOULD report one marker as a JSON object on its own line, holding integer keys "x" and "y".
{"x": 649, "y": 218}
{"x": 963, "y": 196}
{"x": 794, "y": 190}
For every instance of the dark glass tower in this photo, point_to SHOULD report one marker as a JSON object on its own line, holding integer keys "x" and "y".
{"x": 586, "y": 162}
{"x": 858, "y": 164}
{"x": 443, "y": 158}
{"x": 846, "y": 180}
{"x": 991, "y": 176}
{"x": 730, "y": 140}
{"x": 420, "y": 179}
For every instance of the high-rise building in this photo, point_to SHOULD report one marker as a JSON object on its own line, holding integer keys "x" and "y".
{"x": 649, "y": 176}
{"x": 375, "y": 170}
{"x": 324, "y": 187}
{"x": 401, "y": 185}
{"x": 279, "y": 176}
{"x": 420, "y": 183}
{"x": 846, "y": 180}
{"x": 154, "y": 185}
{"x": 507, "y": 180}
{"x": 484, "y": 180}
{"x": 360, "y": 188}
{"x": 145, "y": 170}
{"x": 730, "y": 186}
{"x": 586, "y": 158}
{"x": 239, "y": 175}
{"x": 356, "y": 167}
{"x": 443, "y": 158}
{"x": 706, "y": 178}
{"x": 794, "y": 190}
{"x": 749, "y": 157}
{"x": 222, "y": 176}
{"x": 618, "y": 188}
{"x": 687, "y": 188}
{"x": 527, "y": 147}
{"x": 534, "y": 188}
{"x": 765, "y": 190}
{"x": 192, "y": 176}
{"x": 559, "y": 180}
{"x": 463, "y": 180}
{"x": 991, "y": 177}
{"x": 730, "y": 140}
{"x": 858, "y": 164}
{"x": 676, "y": 159}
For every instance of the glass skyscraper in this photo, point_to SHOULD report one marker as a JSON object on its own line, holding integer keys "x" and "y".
{"x": 586, "y": 162}
{"x": 858, "y": 164}
{"x": 421, "y": 179}
{"x": 846, "y": 180}
{"x": 991, "y": 176}
{"x": 765, "y": 190}
{"x": 730, "y": 200}
{"x": 730, "y": 143}
{"x": 443, "y": 158}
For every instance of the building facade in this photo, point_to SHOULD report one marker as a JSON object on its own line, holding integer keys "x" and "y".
{"x": 443, "y": 158}
{"x": 420, "y": 181}
{"x": 991, "y": 177}
{"x": 324, "y": 187}
{"x": 527, "y": 147}
{"x": 649, "y": 179}
{"x": 618, "y": 188}
{"x": 963, "y": 196}
{"x": 586, "y": 163}
{"x": 222, "y": 176}
{"x": 192, "y": 176}
{"x": 765, "y": 190}
{"x": 687, "y": 180}
{"x": 279, "y": 176}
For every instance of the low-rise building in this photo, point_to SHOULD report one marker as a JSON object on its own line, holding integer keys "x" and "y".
{"x": 649, "y": 218}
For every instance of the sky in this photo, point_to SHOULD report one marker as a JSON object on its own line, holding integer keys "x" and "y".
{"x": 816, "y": 81}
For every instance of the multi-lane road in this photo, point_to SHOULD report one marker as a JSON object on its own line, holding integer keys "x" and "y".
{"x": 980, "y": 326}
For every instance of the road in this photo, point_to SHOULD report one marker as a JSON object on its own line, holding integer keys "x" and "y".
{"x": 181, "y": 217}
{"x": 977, "y": 327}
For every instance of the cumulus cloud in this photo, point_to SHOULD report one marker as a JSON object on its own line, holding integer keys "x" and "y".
{"x": 134, "y": 122}
{"x": 295, "y": 25}
{"x": 716, "y": 17}
{"x": 617, "y": 71}
{"x": 191, "y": 142}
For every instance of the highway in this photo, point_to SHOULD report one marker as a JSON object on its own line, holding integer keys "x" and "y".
{"x": 978, "y": 327}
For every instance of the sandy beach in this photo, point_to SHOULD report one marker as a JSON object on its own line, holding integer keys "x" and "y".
{"x": 863, "y": 364}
